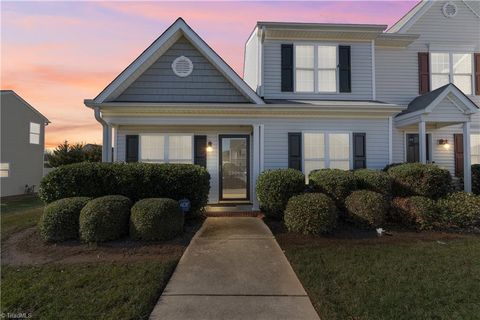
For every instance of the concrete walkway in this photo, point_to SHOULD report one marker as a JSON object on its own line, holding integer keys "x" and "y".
{"x": 234, "y": 269}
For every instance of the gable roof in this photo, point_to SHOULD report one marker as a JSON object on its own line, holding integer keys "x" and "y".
{"x": 28, "y": 105}
{"x": 427, "y": 102}
{"x": 159, "y": 47}
{"x": 411, "y": 17}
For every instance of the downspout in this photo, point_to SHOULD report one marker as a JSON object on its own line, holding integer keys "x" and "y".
{"x": 105, "y": 151}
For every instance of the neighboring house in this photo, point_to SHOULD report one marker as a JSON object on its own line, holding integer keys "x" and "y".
{"x": 22, "y": 148}
{"x": 318, "y": 96}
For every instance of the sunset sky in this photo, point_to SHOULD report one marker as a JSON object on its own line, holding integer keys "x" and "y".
{"x": 56, "y": 54}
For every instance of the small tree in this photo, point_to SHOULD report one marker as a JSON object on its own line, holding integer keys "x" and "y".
{"x": 93, "y": 153}
{"x": 66, "y": 154}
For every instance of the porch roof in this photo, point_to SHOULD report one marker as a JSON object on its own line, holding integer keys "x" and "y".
{"x": 446, "y": 105}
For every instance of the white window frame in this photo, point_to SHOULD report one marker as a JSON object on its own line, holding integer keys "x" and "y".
{"x": 4, "y": 169}
{"x": 450, "y": 64}
{"x": 34, "y": 133}
{"x": 166, "y": 141}
{"x": 326, "y": 143}
{"x": 315, "y": 67}
{"x": 472, "y": 154}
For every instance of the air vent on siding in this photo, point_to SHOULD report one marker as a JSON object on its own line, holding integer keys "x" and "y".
{"x": 182, "y": 66}
{"x": 449, "y": 9}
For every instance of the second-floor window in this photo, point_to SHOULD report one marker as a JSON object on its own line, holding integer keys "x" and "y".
{"x": 315, "y": 68}
{"x": 34, "y": 133}
{"x": 453, "y": 68}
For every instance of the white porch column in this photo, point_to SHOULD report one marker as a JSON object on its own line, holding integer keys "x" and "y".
{"x": 467, "y": 158}
{"x": 114, "y": 143}
{"x": 257, "y": 161}
{"x": 423, "y": 141}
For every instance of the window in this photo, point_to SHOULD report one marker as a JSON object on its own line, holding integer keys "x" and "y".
{"x": 4, "y": 170}
{"x": 304, "y": 68}
{"x": 326, "y": 150}
{"x": 475, "y": 148}
{"x": 315, "y": 68}
{"x": 34, "y": 133}
{"x": 453, "y": 68}
{"x": 163, "y": 148}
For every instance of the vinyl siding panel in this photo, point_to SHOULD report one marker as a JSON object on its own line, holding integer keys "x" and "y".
{"x": 361, "y": 73}
{"x": 397, "y": 69}
{"x": 159, "y": 84}
{"x": 446, "y": 111}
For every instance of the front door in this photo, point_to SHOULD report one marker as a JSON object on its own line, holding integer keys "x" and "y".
{"x": 413, "y": 147}
{"x": 234, "y": 167}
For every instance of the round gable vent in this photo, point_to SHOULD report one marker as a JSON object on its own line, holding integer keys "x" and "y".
{"x": 449, "y": 9}
{"x": 182, "y": 66}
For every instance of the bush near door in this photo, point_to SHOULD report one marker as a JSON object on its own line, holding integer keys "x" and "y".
{"x": 336, "y": 183}
{"x": 374, "y": 180}
{"x": 460, "y": 209}
{"x": 156, "y": 219}
{"x": 133, "y": 180}
{"x": 418, "y": 179}
{"x": 420, "y": 212}
{"x": 275, "y": 187}
{"x": 367, "y": 208}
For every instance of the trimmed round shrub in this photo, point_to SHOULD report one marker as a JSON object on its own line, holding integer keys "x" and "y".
{"x": 60, "y": 219}
{"x": 275, "y": 187}
{"x": 418, "y": 179}
{"x": 335, "y": 183}
{"x": 476, "y": 179}
{"x": 374, "y": 180}
{"x": 367, "y": 207}
{"x": 133, "y": 180}
{"x": 417, "y": 211}
{"x": 156, "y": 219}
{"x": 310, "y": 213}
{"x": 105, "y": 218}
{"x": 461, "y": 209}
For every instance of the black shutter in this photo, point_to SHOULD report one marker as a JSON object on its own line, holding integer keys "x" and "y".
{"x": 295, "y": 150}
{"x": 344, "y": 68}
{"x": 287, "y": 67}
{"x": 200, "y": 150}
{"x": 359, "y": 151}
{"x": 132, "y": 148}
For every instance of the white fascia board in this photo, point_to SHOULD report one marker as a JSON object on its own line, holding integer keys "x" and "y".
{"x": 402, "y": 25}
{"x": 468, "y": 106}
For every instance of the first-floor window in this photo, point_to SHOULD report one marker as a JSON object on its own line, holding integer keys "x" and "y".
{"x": 475, "y": 148}
{"x": 166, "y": 148}
{"x": 4, "y": 170}
{"x": 326, "y": 150}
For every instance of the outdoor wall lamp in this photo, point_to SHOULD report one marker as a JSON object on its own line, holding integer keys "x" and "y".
{"x": 209, "y": 146}
{"x": 444, "y": 143}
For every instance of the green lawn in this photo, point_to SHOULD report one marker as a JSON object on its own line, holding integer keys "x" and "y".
{"x": 20, "y": 214}
{"x": 411, "y": 280}
{"x": 100, "y": 291}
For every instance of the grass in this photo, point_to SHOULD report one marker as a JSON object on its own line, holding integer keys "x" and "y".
{"x": 19, "y": 214}
{"x": 100, "y": 291}
{"x": 415, "y": 280}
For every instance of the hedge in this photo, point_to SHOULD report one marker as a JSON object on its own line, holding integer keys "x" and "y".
{"x": 374, "y": 180}
{"x": 105, "y": 218}
{"x": 476, "y": 179}
{"x": 60, "y": 219}
{"x": 335, "y": 183}
{"x": 310, "y": 213}
{"x": 417, "y": 179}
{"x": 133, "y": 180}
{"x": 460, "y": 209}
{"x": 420, "y": 212}
{"x": 156, "y": 219}
{"x": 275, "y": 187}
{"x": 367, "y": 208}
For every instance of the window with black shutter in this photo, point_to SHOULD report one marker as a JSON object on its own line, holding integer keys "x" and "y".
{"x": 200, "y": 150}
{"x": 287, "y": 67}
{"x": 131, "y": 144}
{"x": 359, "y": 150}
{"x": 344, "y": 69}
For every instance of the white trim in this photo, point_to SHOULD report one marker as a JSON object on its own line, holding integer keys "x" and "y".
{"x": 374, "y": 84}
{"x": 406, "y": 22}
{"x": 390, "y": 140}
{"x": 467, "y": 158}
{"x": 146, "y": 59}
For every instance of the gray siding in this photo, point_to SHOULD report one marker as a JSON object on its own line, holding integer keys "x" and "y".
{"x": 160, "y": 84}
{"x": 252, "y": 67}
{"x": 397, "y": 69}
{"x": 361, "y": 74}
{"x": 25, "y": 159}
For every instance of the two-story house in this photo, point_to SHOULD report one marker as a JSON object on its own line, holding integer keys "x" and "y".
{"x": 22, "y": 145}
{"x": 314, "y": 96}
